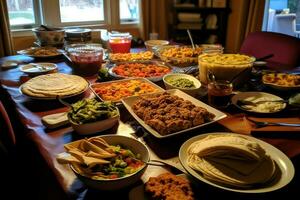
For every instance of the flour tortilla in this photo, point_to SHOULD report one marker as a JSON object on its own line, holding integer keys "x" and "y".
{"x": 231, "y": 160}
{"x": 217, "y": 145}
{"x": 51, "y": 85}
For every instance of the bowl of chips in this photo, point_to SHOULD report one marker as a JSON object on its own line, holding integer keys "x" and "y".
{"x": 107, "y": 162}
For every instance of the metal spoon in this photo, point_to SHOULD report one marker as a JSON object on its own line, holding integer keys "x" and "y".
{"x": 161, "y": 163}
{"x": 245, "y": 102}
{"x": 191, "y": 39}
{"x": 211, "y": 77}
{"x": 259, "y": 124}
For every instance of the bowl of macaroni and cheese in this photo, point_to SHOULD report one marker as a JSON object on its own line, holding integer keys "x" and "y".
{"x": 225, "y": 67}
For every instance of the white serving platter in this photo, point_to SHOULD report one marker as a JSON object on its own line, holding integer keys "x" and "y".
{"x": 129, "y": 101}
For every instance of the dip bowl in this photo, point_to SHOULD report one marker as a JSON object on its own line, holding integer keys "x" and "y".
{"x": 182, "y": 82}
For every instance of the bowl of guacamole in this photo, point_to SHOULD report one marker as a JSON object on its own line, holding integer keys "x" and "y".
{"x": 183, "y": 82}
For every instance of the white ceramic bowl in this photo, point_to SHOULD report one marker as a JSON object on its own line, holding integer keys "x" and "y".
{"x": 114, "y": 184}
{"x": 152, "y": 43}
{"x": 190, "y": 91}
{"x": 55, "y": 37}
{"x": 95, "y": 127}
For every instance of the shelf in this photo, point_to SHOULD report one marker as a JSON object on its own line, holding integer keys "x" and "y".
{"x": 198, "y": 9}
{"x": 208, "y": 31}
{"x": 198, "y": 29}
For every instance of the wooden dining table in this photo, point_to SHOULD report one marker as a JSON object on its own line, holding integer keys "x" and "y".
{"x": 60, "y": 181}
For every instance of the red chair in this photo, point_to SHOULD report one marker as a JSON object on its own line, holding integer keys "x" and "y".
{"x": 285, "y": 48}
{"x": 7, "y": 135}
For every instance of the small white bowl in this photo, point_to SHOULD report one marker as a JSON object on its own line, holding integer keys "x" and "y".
{"x": 190, "y": 91}
{"x": 95, "y": 127}
{"x": 152, "y": 43}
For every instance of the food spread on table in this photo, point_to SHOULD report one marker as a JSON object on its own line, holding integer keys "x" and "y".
{"x": 226, "y": 159}
{"x": 168, "y": 113}
{"x": 169, "y": 186}
{"x": 53, "y": 85}
{"x": 91, "y": 110}
{"x": 282, "y": 79}
{"x": 96, "y": 159}
{"x": 231, "y": 160}
{"x": 115, "y": 91}
{"x": 122, "y": 57}
{"x": 146, "y": 70}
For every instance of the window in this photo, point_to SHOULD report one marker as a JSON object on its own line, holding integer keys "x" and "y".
{"x": 22, "y": 13}
{"x": 129, "y": 10}
{"x": 108, "y": 14}
{"x": 282, "y": 16}
{"x": 85, "y": 10}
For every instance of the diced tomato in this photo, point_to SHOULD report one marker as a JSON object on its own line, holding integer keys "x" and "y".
{"x": 113, "y": 176}
{"x": 128, "y": 160}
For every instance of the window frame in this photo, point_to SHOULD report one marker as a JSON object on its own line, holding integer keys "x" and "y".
{"x": 50, "y": 15}
{"x": 37, "y": 18}
{"x": 128, "y": 21}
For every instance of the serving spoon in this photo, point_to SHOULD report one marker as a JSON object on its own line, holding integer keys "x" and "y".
{"x": 245, "y": 102}
{"x": 191, "y": 39}
{"x": 161, "y": 163}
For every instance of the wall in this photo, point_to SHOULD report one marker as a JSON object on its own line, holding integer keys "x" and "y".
{"x": 23, "y": 42}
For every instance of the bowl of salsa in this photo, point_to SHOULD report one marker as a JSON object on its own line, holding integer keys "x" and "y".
{"x": 86, "y": 58}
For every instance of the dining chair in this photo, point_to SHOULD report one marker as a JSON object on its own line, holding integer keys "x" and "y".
{"x": 7, "y": 135}
{"x": 11, "y": 169}
{"x": 285, "y": 49}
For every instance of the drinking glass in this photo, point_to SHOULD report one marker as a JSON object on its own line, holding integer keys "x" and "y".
{"x": 120, "y": 42}
{"x": 219, "y": 93}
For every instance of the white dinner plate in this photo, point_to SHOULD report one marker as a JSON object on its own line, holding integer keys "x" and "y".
{"x": 255, "y": 95}
{"x": 27, "y": 52}
{"x": 129, "y": 102}
{"x": 283, "y": 162}
{"x": 52, "y": 98}
{"x": 276, "y": 86}
{"x": 35, "y": 69}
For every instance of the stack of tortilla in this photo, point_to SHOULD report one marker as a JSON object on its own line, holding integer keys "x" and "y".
{"x": 52, "y": 85}
{"x": 231, "y": 160}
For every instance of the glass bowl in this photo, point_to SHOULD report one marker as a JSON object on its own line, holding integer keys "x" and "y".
{"x": 225, "y": 67}
{"x": 184, "y": 56}
{"x": 86, "y": 58}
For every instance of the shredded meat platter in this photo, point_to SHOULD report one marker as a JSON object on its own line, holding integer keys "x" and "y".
{"x": 170, "y": 113}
